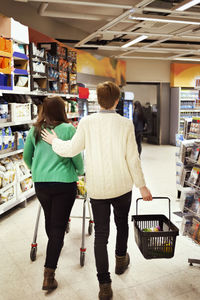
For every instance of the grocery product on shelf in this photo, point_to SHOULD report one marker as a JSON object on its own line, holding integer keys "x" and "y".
{"x": 185, "y": 105}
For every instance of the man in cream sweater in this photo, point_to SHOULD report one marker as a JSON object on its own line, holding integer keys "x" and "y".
{"x": 112, "y": 167}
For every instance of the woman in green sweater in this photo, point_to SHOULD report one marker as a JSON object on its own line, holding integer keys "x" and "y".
{"x": 55, "y": 179}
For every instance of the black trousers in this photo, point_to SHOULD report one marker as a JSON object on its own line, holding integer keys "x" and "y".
{"x": 56, "y": 200}
{"x": 101, "y": 213}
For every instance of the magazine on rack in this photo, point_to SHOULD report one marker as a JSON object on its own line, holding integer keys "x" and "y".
{"x": 194, "y": 175}
{"x": 192, "y": 203}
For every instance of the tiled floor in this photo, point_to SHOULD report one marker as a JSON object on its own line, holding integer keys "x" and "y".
{"x": 173, "y": 279}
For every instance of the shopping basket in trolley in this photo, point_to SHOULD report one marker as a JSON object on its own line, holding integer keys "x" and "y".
{"x": 155, "y": 244}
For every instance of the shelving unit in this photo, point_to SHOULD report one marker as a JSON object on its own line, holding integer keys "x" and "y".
{"x": 190, "y": 194}
{"x": 6, "y": 80}
{"x": 38, "y": 79}
{"x": 18, "y": 196}
{"x": 41, "y": 70}
{"x": 21, "y": 74}
{"x": 184, "y": 105}
{"x": 61, "y": 68}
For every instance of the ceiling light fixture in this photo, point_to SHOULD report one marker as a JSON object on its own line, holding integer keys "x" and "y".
{"x": 135, "y": 41}
{"x": 187, "y": 59}
{"x": 188, "y": 5}
{"x": 164, "y": 20}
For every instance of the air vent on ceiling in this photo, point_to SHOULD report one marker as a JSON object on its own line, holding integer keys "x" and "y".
{"x": 158, "y": 25}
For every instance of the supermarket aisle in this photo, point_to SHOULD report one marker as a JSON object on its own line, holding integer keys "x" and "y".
{"x": 171, "y": 279}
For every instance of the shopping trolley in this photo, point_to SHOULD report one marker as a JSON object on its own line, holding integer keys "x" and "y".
{"x": 81, "y": 195}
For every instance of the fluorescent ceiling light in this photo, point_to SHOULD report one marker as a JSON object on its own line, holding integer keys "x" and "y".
{"x": 135, "y": 41}
{"x": 164, "y": 20}
{"x": 188, "y": 5}
{"x": 187, "y": 59}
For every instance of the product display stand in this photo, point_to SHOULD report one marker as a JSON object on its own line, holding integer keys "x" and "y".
{"x": 192, "y": 261}
{"x": 189, "y": 179}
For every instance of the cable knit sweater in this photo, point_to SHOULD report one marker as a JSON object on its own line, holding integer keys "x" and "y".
{"x": 112, "y": 164}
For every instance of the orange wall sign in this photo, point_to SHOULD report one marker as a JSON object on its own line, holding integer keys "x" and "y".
{"x": 101, "y": 66}
{"x": 183, "y": 75}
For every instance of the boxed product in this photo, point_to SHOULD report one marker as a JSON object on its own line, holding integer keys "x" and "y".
{"x": 20, "y": 112}
{"x": 7, "y": 195}
{"x": 7, "y": 139}
{"x": 3, "y": 111}
{"x": 26, "y": 184}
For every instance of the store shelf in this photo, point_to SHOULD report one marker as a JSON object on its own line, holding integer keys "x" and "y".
{"x": 20, "y": 72}
{"x": 27, "y": 194}
{"x": 18, "y": 55}
{"x": 5, "y": 54}
{"x": 36, "y": 93}
{"x": 72, "y": 115}
{"x": 24, "y": 177}
{"x": 11, "y": 153}
{"x": 13, "y": 202}
{"x": 192, "y": 100}
{"x": 6, "y": 70}
{"x": 8, "y": 205}
{"x": 8, "y": 124}
{"x": 6, "y": 187}
{"x": 190, "y": 110}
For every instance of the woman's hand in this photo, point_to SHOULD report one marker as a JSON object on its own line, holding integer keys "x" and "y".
{"x": 145, "y": 193}
{"x": 47, "y": 136}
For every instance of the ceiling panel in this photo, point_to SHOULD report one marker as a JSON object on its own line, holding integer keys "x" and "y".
{"x": 109, "y": 28}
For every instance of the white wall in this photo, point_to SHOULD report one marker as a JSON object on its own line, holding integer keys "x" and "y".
{"x": 27, "y": 15}
{"x": 143, "y": 93}
{"x": 138, "y": 70}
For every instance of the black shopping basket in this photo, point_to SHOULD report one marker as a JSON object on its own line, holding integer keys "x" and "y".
{"x": 159, "y": 244}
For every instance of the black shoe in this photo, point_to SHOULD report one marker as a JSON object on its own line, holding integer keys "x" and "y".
{"x": 122, "y": 263}
{"x": 105, "y": 292}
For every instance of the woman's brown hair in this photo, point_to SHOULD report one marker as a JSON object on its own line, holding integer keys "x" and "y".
{"x": 107, "y": 93}
{"x": 51, "y": 114}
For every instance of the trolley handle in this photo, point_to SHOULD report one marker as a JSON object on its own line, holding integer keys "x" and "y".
{"x": 169, "y": 201}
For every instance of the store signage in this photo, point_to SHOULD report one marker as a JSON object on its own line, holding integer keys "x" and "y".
{"x": 184, "y": 74}
{"x": 128, "y": 96}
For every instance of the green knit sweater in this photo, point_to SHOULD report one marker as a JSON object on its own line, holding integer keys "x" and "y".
{"x": 45, "y": 164}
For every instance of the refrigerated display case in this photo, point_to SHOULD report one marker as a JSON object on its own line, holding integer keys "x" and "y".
{"x": 125, "y": 105}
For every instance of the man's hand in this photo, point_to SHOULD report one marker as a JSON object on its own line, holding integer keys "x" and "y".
{"x": 47, "y": 136}
{"x": 145, "y": 193}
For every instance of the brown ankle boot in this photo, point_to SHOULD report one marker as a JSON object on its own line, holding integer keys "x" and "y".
{"x": 122, "y": 263}
{"x": 105, "y": 292}
{"x": 49, "y": 282}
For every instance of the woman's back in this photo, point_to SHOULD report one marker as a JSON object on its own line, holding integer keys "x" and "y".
{"x": 45, "y": 164}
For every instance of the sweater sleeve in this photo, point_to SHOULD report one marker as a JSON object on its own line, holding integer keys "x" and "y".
{"x": 77, "y": 160}
{"x": 29, "y": 149}
{"x": 72, "y": 147}
{"x": 133, "y": 160}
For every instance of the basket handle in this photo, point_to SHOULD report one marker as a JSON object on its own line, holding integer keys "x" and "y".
{"x": 169, "y": 201}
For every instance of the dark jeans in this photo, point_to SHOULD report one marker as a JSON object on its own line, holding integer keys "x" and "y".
{"x": 56, "y": 200}
{"x": 138, "y": 137}
{"x": 101, "y": 212}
